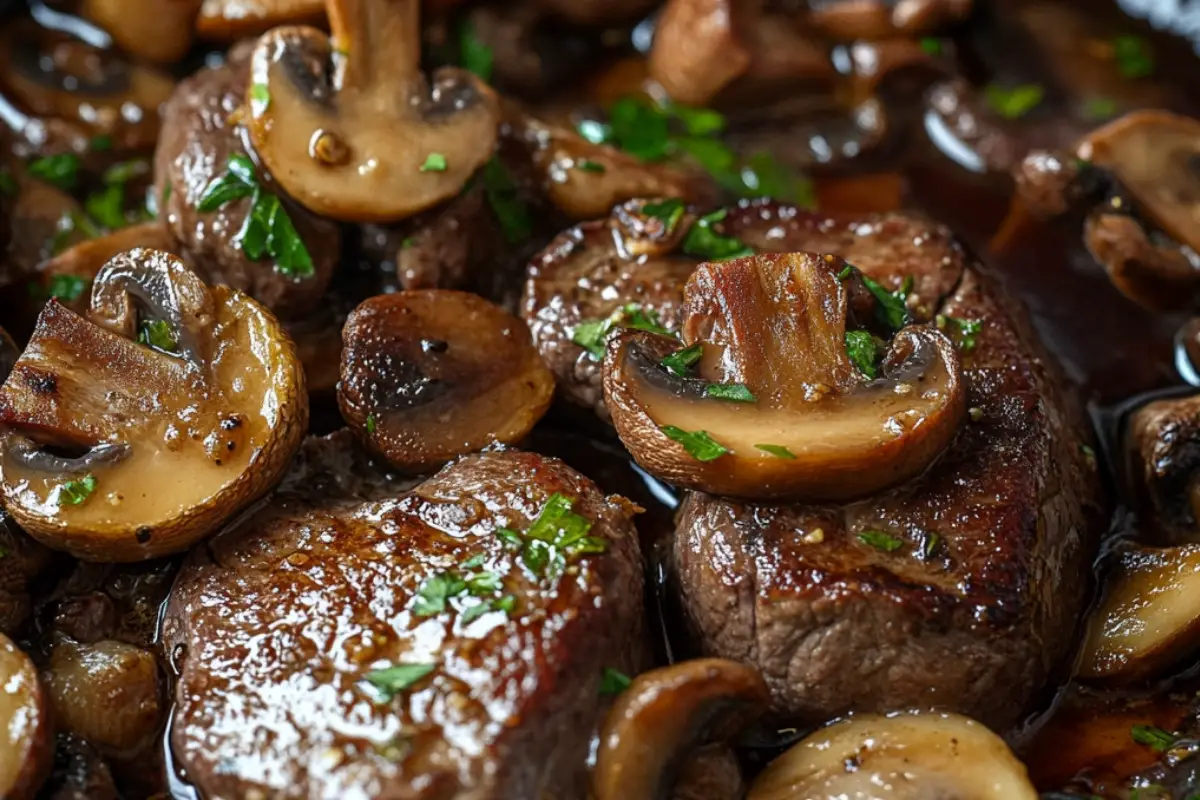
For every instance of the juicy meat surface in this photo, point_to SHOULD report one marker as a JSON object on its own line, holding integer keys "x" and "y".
{"x": 273, "y": 628}
{"x": 974, "y": 599}
{"x": 198, "y": 137}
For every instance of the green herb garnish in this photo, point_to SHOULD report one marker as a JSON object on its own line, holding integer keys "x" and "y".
{"x": 475, "y": 56}
{"x": 101, "y": 144}
{"x": 1134, "y": 57}
{"x": 1100, "y": 108}
{"x": 613, "y": 681}
{"x": 434, "y": 162}
{"x": 881, "y": 541}
{"x": 703, "y": 241}
{"x": 963, "y": 332}
{"x": 931, "y": 46}
{"x": 592, "y": 334}
{"x": 67, "y": 287}
{"x": 62, "y": 170}
{"x": 640, "y": 128}
{"x": 777, "y": 450}
{"x": 371, "y": 424}
{"x": 680, "y": 362}
{"x": 76, "y": 492}
{"x": 698, "y": 444}
{"x": 107, "y": 206}
{"x": 70, "y": 224}
{"x": 556, "y": 535}
{"x": 392, "y": 680}
{"x": 125, "y": 171}
{"x": 864, "y": 352}
{"x": 1016, "y": 101}
{"x": 733, "y": 392}
{"x": 505, "y": 200}
{"x": 930, "y": 546}
{"x": 669, "y": 212}
{"x": 237, "y": 182}
{"x": 891, "y": 307}
{"x": 158, "y": 334}
{"x": 764, "y": 176}
{"x": 1153, "y": 737}
{"x": 260, "y": 98}
{"x": 587, "y": 165}
{"x": 8, "y": 184}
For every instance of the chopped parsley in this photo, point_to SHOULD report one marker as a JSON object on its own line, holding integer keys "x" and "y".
{"x": 733, "y": 392}
{"x": 963, "y": 332}
{"x": 698, "y": 444}
{"x": 669, "y": 212}
{"x": 474, "y": 55}
{"x": 158, "y": 334}
{"x": 613, "y": 681}
{"x": 703, "y": 241}
{"x": 434, "y": 162}
{"x": 76, "y": 492}
{"x": 8, "y": 184}
{"x": 268, "y": 230}
{"x": 1134, "y": 57}
{"x": 891, "y": 308}
{"x": 1100, "y": 108}
{"x": 557, "y": 535}
{"x": 592, "y": 334}
{"x": 505, "y": 199}
{"x": 777, "y": 450}
{"x": 587, "y": 165}
{"x": 864, "y": 351}
{"x": 764, "y": 176}
{"x": 1016, "y": 101}
{"x": 260, "y": 98}
{"x": 436, "y": 591}
{"x": 881, "y": 540}
{"x": 62, "y": 170}
{"x": 371, "y": 424}
{"x": 101, "y": 144}
{"x": 107, "y": 206}
{"x": 931, "y": 46}
{"x": 125, "y": 171}
{"x": 390, "y": 681}
{"x": 71, "y": 225}
{"x": 1153, "y": 737}
{"x": 930, "y": 546}
{"x": 680, "y": 362}
{"x": 67, "y": 287}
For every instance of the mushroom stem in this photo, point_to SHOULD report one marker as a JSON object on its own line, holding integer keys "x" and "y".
{"x": 375, "y": 40}
{"x": 29, "y": 454}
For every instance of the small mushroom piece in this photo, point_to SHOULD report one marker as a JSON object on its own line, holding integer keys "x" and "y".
{"x": 26, "y": 738}
{"x": 773, "y": 406}
{"x": 371, "y": 141}
{"x": 1155, "y": 156}
{"x": 1149, "y": 620}
{"x": 431, "y": 374}
{"x": 914, "y": 755}
{"x": 135, "y": 432}
{"x": 231, "y": 20}
{"x": 162, "y": 36}
{"x": 665, "y": 714}
{"x": 1163, "y": 451}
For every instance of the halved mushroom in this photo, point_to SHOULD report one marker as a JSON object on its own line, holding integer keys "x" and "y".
{"x": 1163, "y": 451}
{"x": 908, "y": 755}
{"x": 664, "y": 715}
{"x": 162, "y": 36}
{"x": 51, "y": 80}
{"x": 431, "y": 374}
{"x": 1155, "y": 156}
{"x": 231, "y": 20}
{"x": 141, "y": 429}
{"x": 371, "y": 141}
{"x": 768, "y": 403}
{"x": 1150, "y": 618}
{"x": 26, "y": 738}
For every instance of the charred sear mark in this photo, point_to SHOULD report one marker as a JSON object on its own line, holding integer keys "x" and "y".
{"x": 39, "y": 381}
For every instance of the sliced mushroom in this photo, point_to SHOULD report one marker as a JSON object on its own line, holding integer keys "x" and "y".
{"x": 852, "y": 20}
{"x": 663, "y": 716}
{"x": 137, "y": 431}
{"x": 431, "y": 374}
{"x": 162, "y": 36}
{"x": 371, "y": 141}
{"x": 1155, "y": 156}
{"x": 231, "y": 20}
{"x": 1149, "y": 619}
{"x": 777, "y": 409}
{"x": 51, "y": 80}
{"x": 1164, "y": 466}
{"x": 26, "y": 738}
{"x": 908, "y": 755}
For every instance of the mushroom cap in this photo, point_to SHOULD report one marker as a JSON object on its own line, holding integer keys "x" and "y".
{"x": 231, "y": 20}
{"x": 173, "y": 443}
{"x": 431, "y": 374}
{"x": 816, "y": 429}
{"x": 372, "y": 141}
{"x": 26, "y": 736}
{"x": 916, "y": 755}
{"x": 163, "y": 36}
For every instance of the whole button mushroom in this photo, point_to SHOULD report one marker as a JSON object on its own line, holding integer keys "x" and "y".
{"x": 784, "y": 385}
{"x": 26, "y": 739}
{"x": 370, "y": 140}
{"x": 136, "y": 431}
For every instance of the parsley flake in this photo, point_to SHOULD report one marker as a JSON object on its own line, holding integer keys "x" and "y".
{"x": 733, "y": 392}
{"x": 101, "y": 144}
{"x": 434, "y": 162}
{"x": 390, "y": 681}
{"x": 555, "y": 536}
{"x": 698, "y": 444}
{"x": 1100, "y": 108}
{"x": 587, "y": 165}
{"x": 592, "y": 334}
{"x": 963, "y": 332}
{"x": 1134, "y": 57}
{"x": 703, "y": 241}
{"x": 668, "y": 211}
{"x": 777, "y": 450}
{"x": 864, "y": 351}
{"x": 891, "y": 307}
{"x": 680, "y": 362}
{"x": 62, "y": 170}
{"x": 1016, "y": 101}
{"x": 107, "y": 206}
{"x": 1153, "y": 737}
{"x": 613, "y": 681}
{"x": 474, "y": 55}
{"x": 76, "y": 492}
{"x": 881, "y": 540}
{"x": 158, "y": 334}
{"x": 931, "y": 46}
{"x": 260, "y": 98}
{"x": 67, "y": 287}
{"x": 371, "y": 424}
{"x": 237, "y": 182}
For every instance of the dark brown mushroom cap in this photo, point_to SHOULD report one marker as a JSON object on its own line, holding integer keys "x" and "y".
{"x": 177, "y": 404}
{"x": 370, "y": 140}
{"x": 664, "y": 715}
{"x": 1163, "y": 467}
{"x": 432, "y": 374}
{"x": 26, "y": 731}
{"x": 815, "y": 428}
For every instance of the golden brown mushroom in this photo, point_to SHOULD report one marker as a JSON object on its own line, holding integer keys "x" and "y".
{"x": 852, "y": 20}
{"x": 231, "y": 20}
{"x": 771, "y": 396}
{"x": 664, "y": 715}
{"x": 371, "y": 141}
{"x": 26, "y": 736}
{"x": 431, "y": 374}
{"x": 136, "y": 431}
{"x": 909, "y": 756}
{"x": 162, "y": 34}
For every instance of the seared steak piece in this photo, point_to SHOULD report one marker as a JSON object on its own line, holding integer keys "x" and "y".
{"x": 961, "y": 589}
{"x": 199, "y": 135}
{"x": 327, "y": 647}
